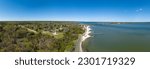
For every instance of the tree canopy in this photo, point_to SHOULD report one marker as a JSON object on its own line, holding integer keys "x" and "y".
{"x": 38, "y": 36}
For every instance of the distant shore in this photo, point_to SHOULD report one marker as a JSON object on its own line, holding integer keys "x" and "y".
{"x": 83, "y": 37}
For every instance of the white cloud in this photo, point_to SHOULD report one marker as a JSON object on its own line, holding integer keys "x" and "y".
{"x": 139, "y": 10}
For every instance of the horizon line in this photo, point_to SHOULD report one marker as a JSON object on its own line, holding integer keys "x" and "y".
{"x": 67, "y": 21}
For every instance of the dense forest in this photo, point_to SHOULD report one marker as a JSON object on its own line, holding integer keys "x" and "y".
{"x": 38, "y": 36}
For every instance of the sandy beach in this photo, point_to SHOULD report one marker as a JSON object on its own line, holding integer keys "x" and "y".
{"x": 85, "y": 36}
{"x": 82, "y": 38}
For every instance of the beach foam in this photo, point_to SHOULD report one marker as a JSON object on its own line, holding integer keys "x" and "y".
{"x": 86, "y": 34}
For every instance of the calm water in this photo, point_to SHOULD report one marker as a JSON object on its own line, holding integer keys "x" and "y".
{"x": 130, "y": 37}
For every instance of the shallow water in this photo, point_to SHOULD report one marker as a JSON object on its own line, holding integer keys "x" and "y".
{"x": 129, "y": 37}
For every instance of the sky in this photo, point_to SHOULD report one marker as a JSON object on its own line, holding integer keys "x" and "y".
{"x": 75, "y": 10}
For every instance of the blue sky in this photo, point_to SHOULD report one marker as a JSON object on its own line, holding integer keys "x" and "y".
{"x": 76, "y": 10}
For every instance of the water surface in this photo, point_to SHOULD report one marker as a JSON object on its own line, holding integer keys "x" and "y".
{"x": 128, "y": 37}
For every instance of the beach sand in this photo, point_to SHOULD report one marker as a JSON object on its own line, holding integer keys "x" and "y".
{"x": 82, "y": 38}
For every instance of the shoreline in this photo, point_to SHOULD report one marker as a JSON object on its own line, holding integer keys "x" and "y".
{"x": 84, "y": 36}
